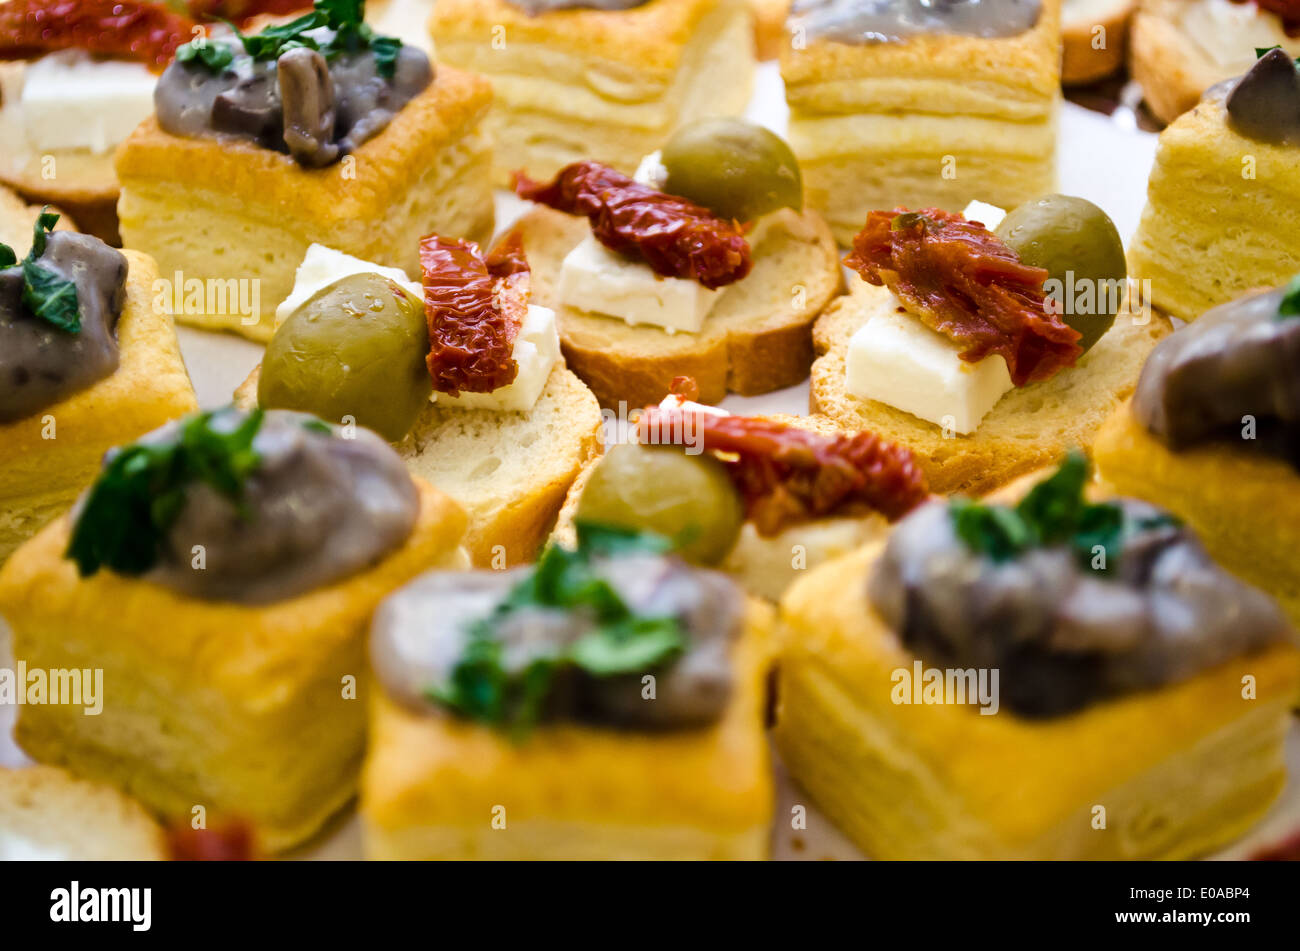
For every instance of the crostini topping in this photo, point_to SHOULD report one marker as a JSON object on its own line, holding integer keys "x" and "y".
{"x": 123, "y": 29}
{"x": 474, "y": 305}
{"x": 883, "y": 21}
{"x": 1230, "y": 377}
{"x": 356, "y": 348}
{"x": 59, "y": 309}
{"x": 786, "y": 474}
{"x": 571, "y": 638}
{"x": 1073, "y": 602}
{"x": 675, "y": 237}
{"x": 315, "y": 88}
{"x": 737, "y": 169}
{"x": 1264, "y": 103}
{"x": 959, "y": 279}
{"x": 252, "y": 508}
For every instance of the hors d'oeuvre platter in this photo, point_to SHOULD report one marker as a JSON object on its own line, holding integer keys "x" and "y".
{"x": 648, "y": 429}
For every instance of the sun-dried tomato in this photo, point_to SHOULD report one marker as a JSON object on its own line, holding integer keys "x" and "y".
{"x": 961, "y": 280}
{"x": 230, "y": 842}
{"x": 125, "y": 29}
{"x": 241, "y": 11}
{"x": 1288, "y": 11}
{"x": 787, "y": 475}
{"x": 677, "y": 238}
{"x": 475, "y": 306}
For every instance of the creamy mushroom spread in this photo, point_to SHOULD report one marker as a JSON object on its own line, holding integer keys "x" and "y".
{"x": 1232, "y": 377}
{"x": 43, "y": 363}
{"x": 1264, "y": 103}
{"x": 886, "y": 21}
{"x": 315, "y": 107}
{"x": 572, "y": 638}
{"x": 1064, "y": 626}
{"x": 252, "y": 508}
{"x": 534, "y": 7}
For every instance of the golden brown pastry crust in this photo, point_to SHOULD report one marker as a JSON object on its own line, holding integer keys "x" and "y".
{"x": 344, "y": 196}
{"x": 769, "y": 27}
{"x": 1029, "y": 62}
{"x": 1170, "y": 68}
{"x": 649, "y": 38}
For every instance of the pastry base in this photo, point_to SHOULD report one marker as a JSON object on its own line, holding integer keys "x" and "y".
{"x": 1179, "y": 771}
{"x": 242, "y": 710}
{"x": 47, "y": 459}
{"x": 432, "y": 785}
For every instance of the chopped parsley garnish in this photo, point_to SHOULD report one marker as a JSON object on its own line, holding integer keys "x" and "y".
{"x": 46, "y": 294}
{"x": 619, "y": 643}
{"x": 1055, "y": 512}
{"x": 345, "y": 17}
{"x": 1290, "y": 303}
{"x": 215, "y": 56}
{"x": 141, "y": 491}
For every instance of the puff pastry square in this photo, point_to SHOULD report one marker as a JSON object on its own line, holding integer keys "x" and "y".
{"x": 223, "y": 211}
{"x": 930, "y": 121}
{"x": 438, "y": 788}
{"x": 1179, "y": 770}
{"x": 48, "y": 458}
{"x": 1220, "y": 215}
{"x": 241, "y": 709}
{"x": 1244, "y": 507}
{"x": 607, "y": 85}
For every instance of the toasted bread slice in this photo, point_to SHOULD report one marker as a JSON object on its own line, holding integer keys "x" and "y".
{"x": 508, "y": 471}
{"x": 47, "y": 813}
{"x": 1030, "y": 427}
{"x": 756, "y": 339}
{"x": 1094, "y": 34}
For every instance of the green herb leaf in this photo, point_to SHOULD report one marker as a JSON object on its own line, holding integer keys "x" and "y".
{"x": 318, "y": 426}
{"x": 1054, "y": 512}
{"x": 47, "y": 294}
{"x": 215, "y": 56}
{"x": 351, "y": 34}
{"x": 480, "y": 688}
{"x": 1261, "y": 50}
{"x": 385, "y": 49}
{"x": 7, "y": 256}
{"x": 142, "y": 489}
{"x": 1290, "y": 304}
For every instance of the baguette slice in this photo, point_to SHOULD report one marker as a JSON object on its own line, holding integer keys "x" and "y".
{"x": 1030, "y": 427}
{"x": 508, "y": 471}
{"x": 756, "y": 339}
{"x": 1094, "y": 34}
{"x": 47, "y": 813}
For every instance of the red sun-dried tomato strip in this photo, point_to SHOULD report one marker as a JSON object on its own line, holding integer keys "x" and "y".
{"x": 677, "y": 238}
{"x": 474, "y": 305}
{"x": 241, "y": 11}
{"x": 962, "y": 281}
{"x": 787, "y": 475}
{"x": 124, "y": 29}
{"x": 231, "y": 842}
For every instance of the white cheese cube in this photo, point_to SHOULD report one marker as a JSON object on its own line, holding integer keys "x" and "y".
{"x": 595, "y": 279}
{"x": 897, "y": 360}
{"x": 651, "y": 171}
{"x": 536, "y": 351}
{"x": 989, "y": 215}
{"x": 323, "y": 266}
{"x": 673, "y": 401}
{"x": 71, "y": 101}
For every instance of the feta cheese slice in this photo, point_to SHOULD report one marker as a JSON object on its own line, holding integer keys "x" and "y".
{"x": 536, "y": 351}
{"x": 651, "y": 171}
{"x": 72, "y": 101}
{"x": 322, "y": 266}
{"x": 989, "y": 215}
{"x": 897, "y": 360}
{"x": 595, "y": 279}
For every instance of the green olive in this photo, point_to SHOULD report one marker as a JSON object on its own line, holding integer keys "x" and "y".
{"x": 687, "y": 498}
{"x": 355, "y": 348}
{"x": 1080, "y": 248}
{"x": 734, "y": 168}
